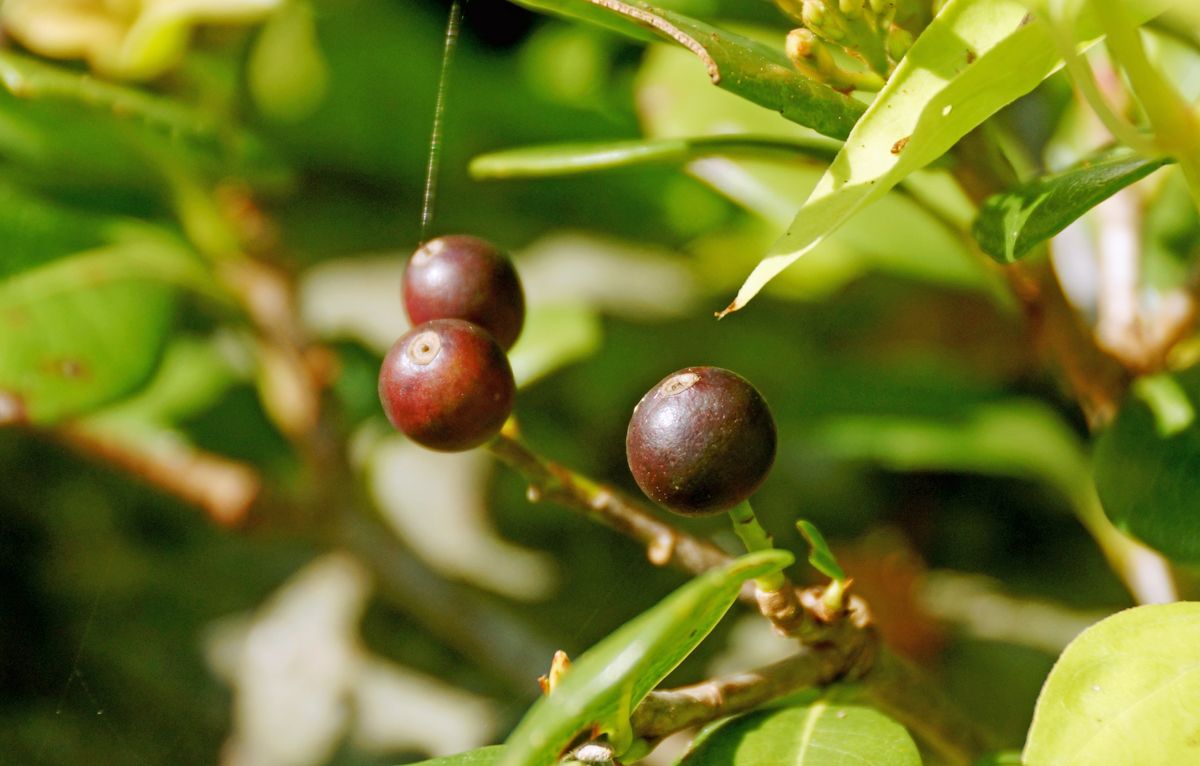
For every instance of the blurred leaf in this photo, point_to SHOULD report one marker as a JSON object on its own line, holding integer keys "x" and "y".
{"x": 1145, "y": 465}
{"x": 974, "y": 58}
{"x": 554, "y": 336}
{"x": 753, "y": 70}
{"x": 194, "y": 373}
{"x": 609, "y": 680}
{"x": 819, "y": 555}
{"x": 1124, "y": 692}
{"x": 484, "y": 756}
{"x": 1019, "y": 438}
{"x": 1012, "y": 223}
{"x": 566, "y": 159}
{"x": 86, "y": 304}
{"x": 287, "y": 74}
{"x": 820, "y": 734}
{"x": 1006, "y": 758}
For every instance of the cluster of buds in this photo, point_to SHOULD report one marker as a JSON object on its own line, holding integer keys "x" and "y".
{"x": 876, "y": 33}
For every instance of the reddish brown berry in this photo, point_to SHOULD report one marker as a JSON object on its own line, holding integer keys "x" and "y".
{"x": 463, "y": 277}
{"x": 447, "y": 385}
{"x": 701, "y": 441}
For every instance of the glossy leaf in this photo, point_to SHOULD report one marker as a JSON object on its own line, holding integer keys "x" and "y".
{"x": 820, "y": 734}
{"x": 753, "y": 70}
{"x": 974, "y": 58}
{"x": 484, "y": 756}
{"x": 85, "y": 304}
{"x": 820, "y": 556}
{"x": 610, "y": 679}
{"x": 567, "y": 159}
{"x": 1011, "y": 224}
{"x": 903, "y": 239}
{"x": 1145, "y": 465}
{"x": 1126, "y": 691}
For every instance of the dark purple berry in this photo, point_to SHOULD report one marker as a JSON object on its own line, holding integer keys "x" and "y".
{"x": 463, "y": 277}
{"x": 447, "y": 385}
{"x": 701, "y": 441}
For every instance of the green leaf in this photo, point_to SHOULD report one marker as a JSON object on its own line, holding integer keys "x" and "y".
{"x": 820, "y": 734}
{"x": 1011, "y": 224}
{"x": 567, "y": 159}
{"x": 610, "y": 679}
{"x": 1145, "y": 465}
{"x": 974, "y": 58}
{"x": 1124, "y": 692}
{"x": 553, "y": 337}
{"x": 80, "y": 326}
{"x": 820, "y": 556}
{"x": 755, "y": 71}
{"x": 484, "y": 756}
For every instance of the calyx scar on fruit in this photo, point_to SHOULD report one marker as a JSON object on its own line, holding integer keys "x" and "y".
{"x": 447, "y": 385}
{"x": 701, "y": 441}
{"x": 464, "y": 277}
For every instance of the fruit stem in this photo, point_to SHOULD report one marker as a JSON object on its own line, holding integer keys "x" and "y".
{"x": 755, "y": 538}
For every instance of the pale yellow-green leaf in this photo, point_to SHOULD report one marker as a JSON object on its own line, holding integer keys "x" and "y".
{"x": 1126, "y": 692}
{"x": 974, "y": 58}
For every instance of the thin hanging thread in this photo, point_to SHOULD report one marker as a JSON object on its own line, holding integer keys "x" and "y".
{"x": 439, "y": 108}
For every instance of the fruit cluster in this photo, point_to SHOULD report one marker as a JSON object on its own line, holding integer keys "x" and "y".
{"x": 447, "y": 383}
{"x": 699, "y": 442}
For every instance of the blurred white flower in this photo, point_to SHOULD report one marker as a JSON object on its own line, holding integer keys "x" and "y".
{"x": 303, "y": 682}
{"x": 133, "y": 39}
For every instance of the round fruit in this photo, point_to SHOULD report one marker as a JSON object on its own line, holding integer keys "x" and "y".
{"x": 447, "y": 385}
{"x": 463, "y": 277}
{"x": 701, "y": 441}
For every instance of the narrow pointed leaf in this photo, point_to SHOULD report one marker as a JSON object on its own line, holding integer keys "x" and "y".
{"x": 1011, "y": 224}
{"x": 567, "y": 159}
{"x": 608, "y": 680}
{"x": 753, "y": 70}
{"x": 819, "y": 555}
{"x": 820, "y": 734}
{"x": 1125, "y": 691}
{"x": 974, "y": 58}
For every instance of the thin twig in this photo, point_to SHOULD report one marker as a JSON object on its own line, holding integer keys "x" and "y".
{"x": 664, "y": 543}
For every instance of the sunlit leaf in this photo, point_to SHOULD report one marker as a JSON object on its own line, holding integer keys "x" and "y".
{"x": 1126, "y": 691}
{"x": 1145, "y": 465}
{"x": 1011, "y": 224}
{"x": 753, "y": 70}
{"x": 820, "y": 734}
{"x": 903, "y": 239}
{"x": 974, "y": 58}
{"x": 607, "y": 682}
